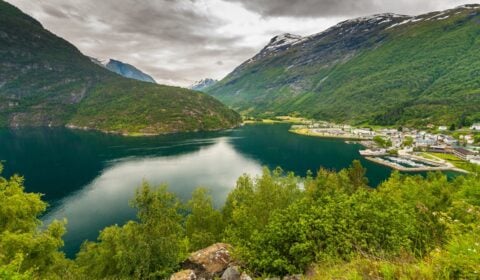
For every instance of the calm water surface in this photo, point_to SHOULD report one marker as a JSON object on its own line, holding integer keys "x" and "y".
{"x": 89, "y": 178}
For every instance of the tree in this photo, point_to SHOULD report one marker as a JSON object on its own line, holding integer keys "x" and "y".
{"x": 452, "y": 127}
{"x": 380, "y": 141}
{"x": 150, "y": 248}
{"x": 408, "y": 141}
{"x": 357, "y": 175}
{"x": 204, "y": 224}
{"x": 25, "y": 249}
{"x": 251, "y": 204}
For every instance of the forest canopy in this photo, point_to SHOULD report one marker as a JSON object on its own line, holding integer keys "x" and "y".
{"x": 329, "y": 225}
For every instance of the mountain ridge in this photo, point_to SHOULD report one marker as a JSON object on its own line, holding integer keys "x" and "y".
{"x": 383, "y": 69}
{"x": 46, "y": 81}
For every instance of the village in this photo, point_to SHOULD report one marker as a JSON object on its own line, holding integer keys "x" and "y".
{"x": 407, "y": 149}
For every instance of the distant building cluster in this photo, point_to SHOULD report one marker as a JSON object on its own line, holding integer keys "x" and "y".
{"x": 405, "y": 140}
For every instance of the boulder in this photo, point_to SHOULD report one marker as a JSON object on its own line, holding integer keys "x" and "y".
{"x": 231, "y": 273}
{"x": 210, "y": 262}
{"x": 186, "y": 274}
{"x": 245, "y": 276}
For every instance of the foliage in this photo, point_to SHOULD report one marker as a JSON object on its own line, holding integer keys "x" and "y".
{"x": 332, "y": 225}
{"x": 380, "y": 141}
{"x": 204, "y": 225}
{"x": 47, "y": 81}
{"x": 252, "y": 203}
{"x": 415, "y": 73}
{"x": 408, "y": 141}
{"x": 150, "y": 248}
{"x": 25, "y": 250}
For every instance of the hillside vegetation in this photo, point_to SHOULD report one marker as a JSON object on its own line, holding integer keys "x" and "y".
{"x": 384, "y": 69}
{"x": 45, "y": 80}
{"x": 333, "y": 227}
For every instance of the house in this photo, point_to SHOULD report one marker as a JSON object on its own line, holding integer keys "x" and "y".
{"x": 469, "y": 139}
{"x": 440, "y": 149}
{"x": 475, "y": 127}
{"x": 450, "y": 140}
{"x": 442, "y": 128}
{"x": 464, "y": 153}
{"x": 475, "y": 160}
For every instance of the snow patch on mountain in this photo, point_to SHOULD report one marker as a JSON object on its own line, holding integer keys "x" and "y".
{"x": 202, "y": 84}
{"x": 282, "y": 42}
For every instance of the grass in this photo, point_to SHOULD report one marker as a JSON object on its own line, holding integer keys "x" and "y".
{"x": 453, "y": 159}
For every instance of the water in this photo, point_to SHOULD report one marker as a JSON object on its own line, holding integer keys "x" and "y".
{"x": 89, "y": 177}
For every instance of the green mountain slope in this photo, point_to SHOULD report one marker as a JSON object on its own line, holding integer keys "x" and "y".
{"x": 383, "y": 69}
{"x": 44, "y": 80}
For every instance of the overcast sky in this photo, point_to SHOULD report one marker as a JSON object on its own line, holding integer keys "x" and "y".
{"x": 181, "y": 41}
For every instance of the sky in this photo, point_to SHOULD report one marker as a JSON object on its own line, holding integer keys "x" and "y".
{"x": 182, "y": 41}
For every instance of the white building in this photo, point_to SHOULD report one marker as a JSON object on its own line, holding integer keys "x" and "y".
{"x": 475, "y": 160}
{"x": 442, "y": 128}
{"x": 475, "y": 126}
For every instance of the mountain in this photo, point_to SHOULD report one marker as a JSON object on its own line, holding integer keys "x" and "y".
{"x": 44, "y": 80}
{"x": 382, "y": 69}
{"x": 203, "y": 84}
{"x": 123, "y": 69}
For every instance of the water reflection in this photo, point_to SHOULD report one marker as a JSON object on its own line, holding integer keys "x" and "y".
{"x": 105, "y": 200}
{"x": 89, "y": 177}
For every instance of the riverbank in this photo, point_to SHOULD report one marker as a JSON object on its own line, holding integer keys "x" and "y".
{"x": 309, "y": 132}
{"x": 143, "y": 134}
{"x": 277, "y": 120}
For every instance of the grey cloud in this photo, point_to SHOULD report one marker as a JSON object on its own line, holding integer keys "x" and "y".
{"x": 146, "y": 34}
{"x": 332, "y": 8}
{"x": 179, "y": 41}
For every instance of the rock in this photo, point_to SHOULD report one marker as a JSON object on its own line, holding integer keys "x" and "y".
{"x": 210, "y": 262}
{"x": 186, "y": 274}
{"x": 245, "y": 276}
{"x": 293, "y": 277}
{"x": 231, "y": 273}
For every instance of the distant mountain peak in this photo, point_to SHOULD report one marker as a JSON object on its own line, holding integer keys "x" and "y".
{"x": 282, "y": 41}
{"x": 124, "y": 69}
{"x": 203, "y": 84}
{"x": 468, "y": 6}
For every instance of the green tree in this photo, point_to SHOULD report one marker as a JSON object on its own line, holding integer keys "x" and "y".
{"x": 204, "y": 224}
{"x": 381, "y": 142}
{"x": 408, "y": 141}
{"x": 253, "y": 201}
{"x": 357, "y": 175}
{"x": 150, "y": 248}
{"x": 25, "y": 248}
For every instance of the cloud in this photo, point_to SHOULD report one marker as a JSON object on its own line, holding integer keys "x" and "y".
{"x": 328, "y": 8}
{"x": 178, "y": 42}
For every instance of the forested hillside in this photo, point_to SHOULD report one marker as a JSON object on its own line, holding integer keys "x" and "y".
{"x": 383, "y": 69}
{"x": 46, "y": 81}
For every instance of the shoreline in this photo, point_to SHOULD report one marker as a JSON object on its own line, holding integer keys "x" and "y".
{"x": 327, "y": 136}
{"x": 141, "y": 134}
{"x": 441, "y": 165}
